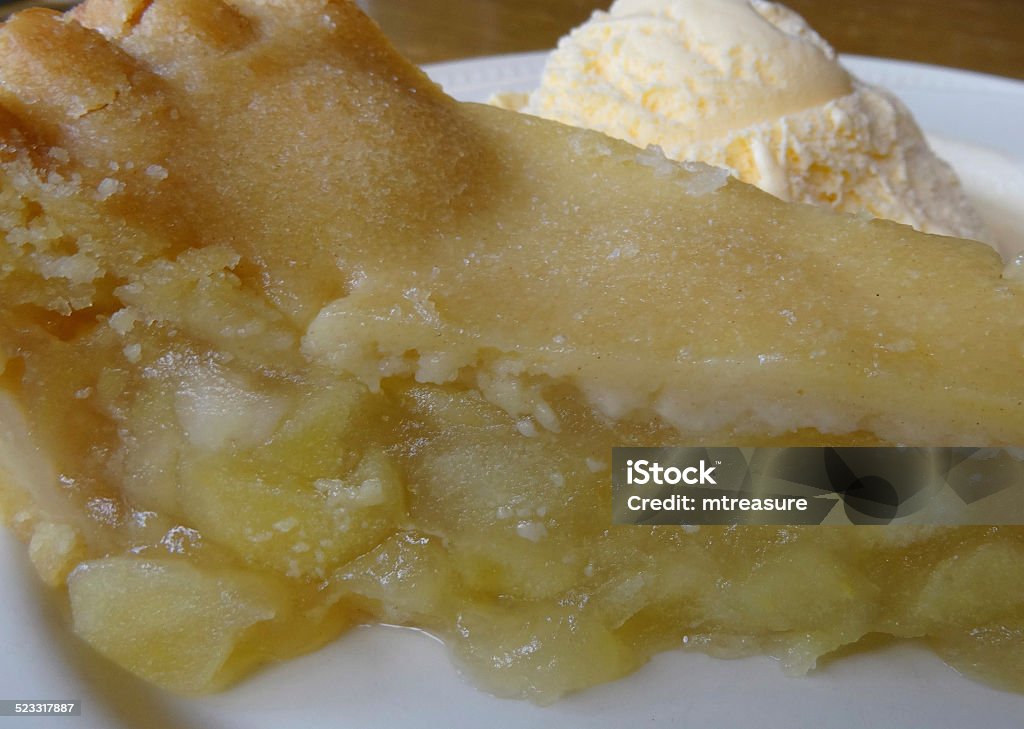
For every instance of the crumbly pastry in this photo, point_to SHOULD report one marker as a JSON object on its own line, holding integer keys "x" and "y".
{"x": 292, "y": 341}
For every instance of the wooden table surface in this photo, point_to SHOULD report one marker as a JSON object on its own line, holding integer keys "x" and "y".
{"x": 981, "y": 35}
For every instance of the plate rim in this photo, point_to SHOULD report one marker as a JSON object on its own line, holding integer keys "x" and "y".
{"x": 512, "y": 67}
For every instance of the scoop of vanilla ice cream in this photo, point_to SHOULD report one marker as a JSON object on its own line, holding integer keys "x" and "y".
{"x": 748, "y": 85}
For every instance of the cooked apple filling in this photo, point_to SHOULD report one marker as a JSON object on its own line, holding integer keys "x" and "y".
{"x": 291, "y": 341}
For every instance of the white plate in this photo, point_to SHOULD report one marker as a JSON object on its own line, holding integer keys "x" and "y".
{"x": 399, "y": 679}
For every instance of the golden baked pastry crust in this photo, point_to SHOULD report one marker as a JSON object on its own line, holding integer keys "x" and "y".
{"x": 299, "y": 341}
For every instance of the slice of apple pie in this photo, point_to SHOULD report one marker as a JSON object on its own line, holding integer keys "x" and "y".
{"x": 291, "y": 341}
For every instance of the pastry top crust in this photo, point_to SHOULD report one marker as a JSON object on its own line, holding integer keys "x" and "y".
{"x": 259, "y": 125}
{"x": 176, "y": 160}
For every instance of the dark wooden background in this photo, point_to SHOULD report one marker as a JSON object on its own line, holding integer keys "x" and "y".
{"x": 981, "y": 35}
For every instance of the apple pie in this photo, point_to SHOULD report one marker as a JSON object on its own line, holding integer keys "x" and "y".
{"x": 292, "y": 341}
